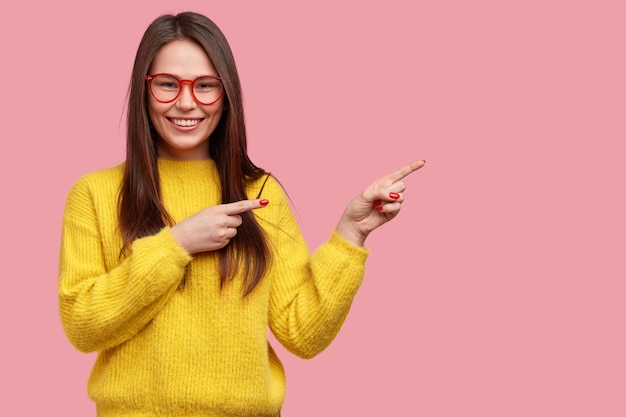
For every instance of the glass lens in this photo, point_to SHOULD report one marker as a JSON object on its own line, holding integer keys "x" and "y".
{"x": 207, "y": 89}
{"x": 165, "y": 87}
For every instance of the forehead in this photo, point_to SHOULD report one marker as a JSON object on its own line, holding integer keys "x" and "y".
{"x": 183, "y": 58}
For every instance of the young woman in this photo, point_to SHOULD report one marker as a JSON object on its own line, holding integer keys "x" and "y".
{"x": 175, "y": 263}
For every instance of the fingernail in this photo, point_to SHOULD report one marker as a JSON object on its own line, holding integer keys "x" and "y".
{"x": 377, "y": 203}
{"x": 264, "y": 202}
{"x": 393, "y": 195}
{"x": 379, "y": 208}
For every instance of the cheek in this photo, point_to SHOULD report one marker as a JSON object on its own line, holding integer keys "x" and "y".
{"x": 153, "y": 110}
{"x": 156, "y": 112}
{"x": 215, "y": 112}
{"x": 155, "y": 117}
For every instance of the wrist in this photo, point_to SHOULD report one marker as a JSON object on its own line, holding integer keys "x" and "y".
{"x": 350, "y": 232}
{"x": 179, "y": 236}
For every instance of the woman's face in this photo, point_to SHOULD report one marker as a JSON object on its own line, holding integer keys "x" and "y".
{"x": 183, "y": 125}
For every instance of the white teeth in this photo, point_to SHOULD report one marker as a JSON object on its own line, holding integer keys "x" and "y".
{"x": 185, "y": 122}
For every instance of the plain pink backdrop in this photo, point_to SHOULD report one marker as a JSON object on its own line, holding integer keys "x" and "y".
{"x": 499, "y": 289}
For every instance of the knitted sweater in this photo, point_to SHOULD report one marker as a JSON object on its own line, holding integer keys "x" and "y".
{"x": 169, "y": 341}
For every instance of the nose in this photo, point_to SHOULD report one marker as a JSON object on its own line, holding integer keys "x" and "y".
{"x": 186, "y": 100}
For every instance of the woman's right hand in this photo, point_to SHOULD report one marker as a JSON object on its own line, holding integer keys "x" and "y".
{"x": 214, "y": 227}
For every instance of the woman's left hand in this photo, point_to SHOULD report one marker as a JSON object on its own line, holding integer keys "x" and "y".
{"x": 375, "y": 206}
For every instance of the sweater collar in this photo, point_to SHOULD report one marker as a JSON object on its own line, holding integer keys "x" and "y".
{"x": 186, "y": 168}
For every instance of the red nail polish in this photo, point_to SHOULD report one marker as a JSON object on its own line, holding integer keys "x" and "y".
{"x": 264, "y": 202}
{"x": 377, "y": 203}
{"x": 379, "y": 208}
{"x": 393, "y": 195}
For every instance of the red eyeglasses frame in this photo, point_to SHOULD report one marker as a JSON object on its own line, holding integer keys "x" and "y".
{"x": 150, "y": 77}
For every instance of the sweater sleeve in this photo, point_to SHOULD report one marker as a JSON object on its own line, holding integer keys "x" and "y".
{"x": 102, "y": 307}
{"x": 311, "y": 295}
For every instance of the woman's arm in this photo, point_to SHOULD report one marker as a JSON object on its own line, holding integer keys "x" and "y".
{"x": 102, "y": 308}
{"x": 312, "y": 295}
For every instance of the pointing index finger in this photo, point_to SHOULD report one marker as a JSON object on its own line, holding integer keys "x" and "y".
{"x": 242, "y": 206}
{"x": 406, "y": 170}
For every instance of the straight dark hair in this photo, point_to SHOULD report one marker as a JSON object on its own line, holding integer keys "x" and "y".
{"x": 141, "y": 210}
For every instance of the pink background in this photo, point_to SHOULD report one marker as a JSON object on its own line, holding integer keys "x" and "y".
{"x": 499, "y": 289}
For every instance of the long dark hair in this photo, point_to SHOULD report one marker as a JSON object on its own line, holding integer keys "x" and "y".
{"x": 141, "y": 210}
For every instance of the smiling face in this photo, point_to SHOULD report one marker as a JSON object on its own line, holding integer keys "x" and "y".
{"x": 183, "y": 125}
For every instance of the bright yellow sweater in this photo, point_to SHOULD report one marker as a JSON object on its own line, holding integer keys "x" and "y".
{"x": 168, "y": 349}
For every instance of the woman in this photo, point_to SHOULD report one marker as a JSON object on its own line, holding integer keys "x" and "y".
{"x": 174, "y": 264}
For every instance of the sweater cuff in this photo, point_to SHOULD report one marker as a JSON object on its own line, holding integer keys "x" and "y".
{"x": 358, "y": 253}
{"x": 175, "y": 247}
{"x": 163, "y": 246}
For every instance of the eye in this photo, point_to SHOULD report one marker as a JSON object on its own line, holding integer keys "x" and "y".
{"x": 206, "y": 84}
{"x": 165, "y": 82}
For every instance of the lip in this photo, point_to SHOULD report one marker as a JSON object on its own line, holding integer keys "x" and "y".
{"x": 185, "y": 128}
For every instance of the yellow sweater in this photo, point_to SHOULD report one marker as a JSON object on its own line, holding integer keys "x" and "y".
{"x": 167, "y": 349}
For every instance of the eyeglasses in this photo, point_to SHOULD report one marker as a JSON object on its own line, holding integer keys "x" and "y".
{"x": 166, "y": 88}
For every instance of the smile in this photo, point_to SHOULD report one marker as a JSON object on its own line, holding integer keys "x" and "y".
{"x": 186, "y": 122}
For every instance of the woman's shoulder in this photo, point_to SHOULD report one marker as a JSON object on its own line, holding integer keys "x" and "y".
{"x": 266, "y": 186}
{"x": 107, "y": 178}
